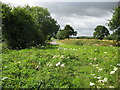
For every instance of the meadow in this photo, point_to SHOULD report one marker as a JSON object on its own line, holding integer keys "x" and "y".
{"x": 67, "y": 65}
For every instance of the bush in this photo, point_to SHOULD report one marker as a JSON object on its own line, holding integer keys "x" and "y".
{"x": 79, "y": 43}
{"x": 19, "y": 29}
{"x": 109, "y": 37}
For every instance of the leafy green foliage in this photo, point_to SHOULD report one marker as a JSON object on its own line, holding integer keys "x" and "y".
{"x": 114, "y": 23}
{"x": 27, "y": 26}
{"x": 66, "y": 32}
{"x": 44, "y": 21}
{"x": 19, "y": 29}
{"x": 100, "y": 32}
{"x": 67, "y": 66}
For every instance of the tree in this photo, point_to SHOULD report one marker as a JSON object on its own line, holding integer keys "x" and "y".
{"x": 45, "y": 22}
{"x": 70, "y": 31}
{"x": 100, "y": 32}
{"x": 66, "y": 32}
{"x": 114, "y": 23}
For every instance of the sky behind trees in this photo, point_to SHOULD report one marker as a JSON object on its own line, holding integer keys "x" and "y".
{"x": 82, "y": 16}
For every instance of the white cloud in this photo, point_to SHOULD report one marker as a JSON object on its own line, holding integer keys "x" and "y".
{"x": 83, "y": 24}
{"x": 34, "y": 2}
{"x": 21, "y": 2}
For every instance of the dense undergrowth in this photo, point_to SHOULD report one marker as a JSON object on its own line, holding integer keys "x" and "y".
{"x": 61, "y": 66}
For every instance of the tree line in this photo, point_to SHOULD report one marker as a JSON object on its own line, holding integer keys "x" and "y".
{"x": 27, "y": 26}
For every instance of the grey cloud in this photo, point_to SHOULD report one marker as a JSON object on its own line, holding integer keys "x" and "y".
{"x": 80, "y": 8}
{"x": 83, "y": 16}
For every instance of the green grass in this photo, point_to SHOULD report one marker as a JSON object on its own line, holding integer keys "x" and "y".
{"x": 63, "y": 66}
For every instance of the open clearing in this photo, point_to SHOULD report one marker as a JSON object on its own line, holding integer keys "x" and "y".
{"x": 61, "y": 66}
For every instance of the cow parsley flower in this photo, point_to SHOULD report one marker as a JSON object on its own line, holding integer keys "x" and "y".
{"x": 100, "y": 80}
{"x": 112, "y": 72}
{"x": 98, "y": 77}
{"x": 58, "y": 64}
{"x": 115, "y": 68}
{"x": 100, "y": 69}
{"x": 62, "y": 56}
{"x": 111, "y": 87}
{"x": 62, "y": 65}
{"x": 105, "y": 52}
{"x": 93, "y": 74}
{"x": 92, "y": 84}
{"x": 118, "y": 64}
{"x": 105, "y": 79}
{"x": 95, "y": 58}
{"x": 4, "y": 78}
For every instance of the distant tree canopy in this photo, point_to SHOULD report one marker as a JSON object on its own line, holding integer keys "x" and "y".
{"x": 100, "y": 32}
{"x": 114, "y": 23}
{"x": 66, "y": 32}
{"x": 27, "y": 26}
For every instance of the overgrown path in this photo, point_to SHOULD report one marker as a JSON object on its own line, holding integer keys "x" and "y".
{"x": 54, "y": 42}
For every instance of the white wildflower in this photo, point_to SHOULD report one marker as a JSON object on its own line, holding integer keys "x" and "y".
{"x": 111, "y": 87}
{"x": 98, "y": 77}
{"x": 110, "y": 45}
{"x": 111, "y": 65}
{"x": 95, "y": 77}
{"x": 55, "y": 56}
{"x": 92, "y": 84}
{"x": 19, "y": 62}
{"x": 67, "y": 57}
{"x": 42, "y": 46}
{"x": 62, "y": 65}
{"x": 90, "y": 63}
{"x": 112, "y": 72}
{"x": 58, "y": 64}
{"x": 50, "y": 65}
{"x": 98, "y": 87}
{"x": 95, "y": 58}
{"x": 105, "y": 79}
{"x": 115, "y": 68}
{"x": 100, "y": 69}
{"x": 37, "y": 67}
{"x": 100, "y": 80}
{"x": 97, "y": 67}
{"x": 4, "y": 78}
{"x": 5, "y": 66}
{"x": 105, "y": 52}
{"x": 118, "y": 64}
{"x": 93, "y": 74}
{"x": 62, "y": 56}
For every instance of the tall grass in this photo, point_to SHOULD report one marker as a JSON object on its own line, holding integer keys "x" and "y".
{"x": 89, "y": 42}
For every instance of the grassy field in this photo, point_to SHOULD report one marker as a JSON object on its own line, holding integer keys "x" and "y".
{"x": 90, "y": 42}
{"x": 61, "y": 66}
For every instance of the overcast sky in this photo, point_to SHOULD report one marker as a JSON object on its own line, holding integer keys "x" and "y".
{"x": 82, "y": 16}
